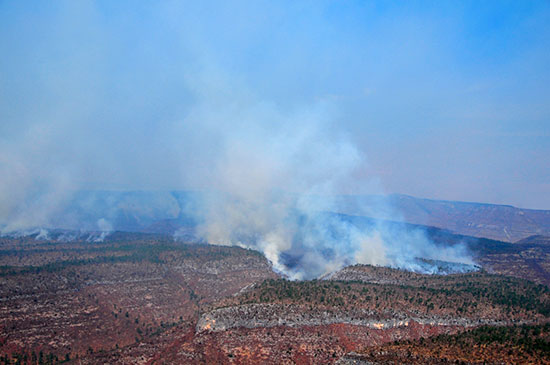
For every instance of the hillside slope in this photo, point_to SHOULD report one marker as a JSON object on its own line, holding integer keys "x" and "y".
{"x": 169, "y": 211}
{"x": 499, "y": 222}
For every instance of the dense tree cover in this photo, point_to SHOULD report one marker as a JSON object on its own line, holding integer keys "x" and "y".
{"x": 530, "y": 338}
{"x": 485, "y": 344}
{"x": 464, "y": 295}
{"x": 154, "y": 253}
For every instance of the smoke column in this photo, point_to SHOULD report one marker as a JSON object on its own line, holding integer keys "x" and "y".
{"x": 276, "y": 176}
{"x": 177, "y": 97}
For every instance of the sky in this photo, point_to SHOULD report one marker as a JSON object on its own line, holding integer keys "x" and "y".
{"x": 436, "y": 99}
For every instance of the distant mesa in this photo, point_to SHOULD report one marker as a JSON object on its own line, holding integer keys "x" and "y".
{"x": 168, "y": 212}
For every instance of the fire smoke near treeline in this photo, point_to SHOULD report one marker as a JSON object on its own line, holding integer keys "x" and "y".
{"x": 271, "y": 180}
{"x": 108, "y": 116}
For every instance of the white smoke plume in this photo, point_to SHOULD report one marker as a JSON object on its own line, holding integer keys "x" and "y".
{"x": 276, "y": 176}
{"x": 168, "y": 106}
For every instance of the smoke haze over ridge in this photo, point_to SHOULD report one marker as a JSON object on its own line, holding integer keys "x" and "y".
{"x": 266, "y": 105}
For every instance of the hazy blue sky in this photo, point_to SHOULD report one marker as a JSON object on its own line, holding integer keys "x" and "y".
{"x": 438, "y": 99}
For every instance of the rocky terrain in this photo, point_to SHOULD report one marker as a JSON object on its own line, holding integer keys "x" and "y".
{"x": 527, "y": 260}
{"x": 145, "y": 298}
{"x": 78, "y": 299}
{"x": 323, "y": 321}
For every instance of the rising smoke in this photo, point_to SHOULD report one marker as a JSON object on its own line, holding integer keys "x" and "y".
{"x": 99, "y": 117}
{"x": 277, "y": 176}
